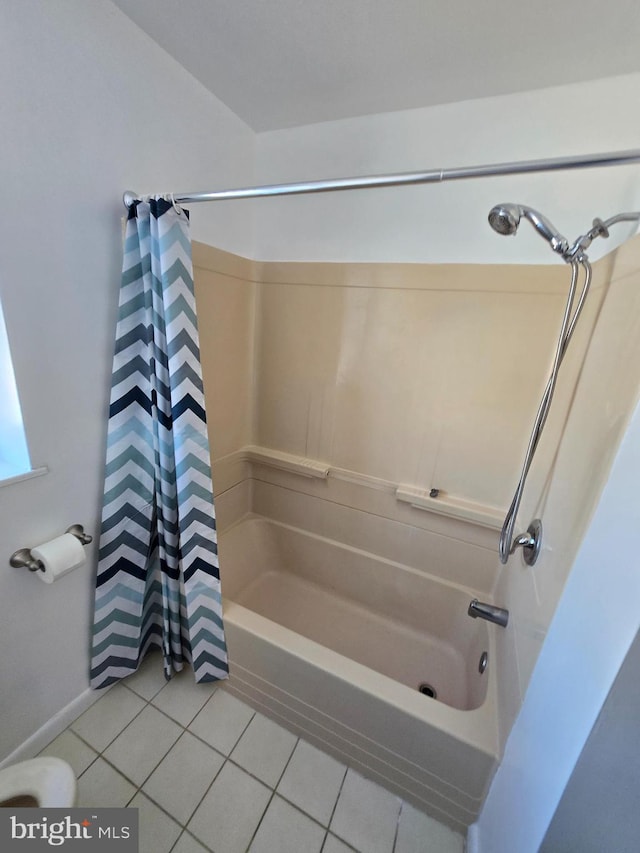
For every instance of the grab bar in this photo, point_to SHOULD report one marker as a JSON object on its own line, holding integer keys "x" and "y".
{"x": 505, "y": 218}
{"x": 507, "y": 542}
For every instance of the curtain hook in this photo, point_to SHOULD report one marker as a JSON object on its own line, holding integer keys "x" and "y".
{"x": 177, "y": 209}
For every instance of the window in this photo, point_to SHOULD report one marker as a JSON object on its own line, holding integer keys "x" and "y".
{"x": 14, "y": 453}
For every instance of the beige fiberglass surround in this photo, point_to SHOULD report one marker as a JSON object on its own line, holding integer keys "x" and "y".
{"x": 338, "y": 395}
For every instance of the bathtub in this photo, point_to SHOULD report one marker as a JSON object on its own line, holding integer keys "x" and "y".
{"x": 336, "y": 643}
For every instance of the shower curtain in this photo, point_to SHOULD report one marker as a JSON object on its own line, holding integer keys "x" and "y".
{"x": 158, "y": 582}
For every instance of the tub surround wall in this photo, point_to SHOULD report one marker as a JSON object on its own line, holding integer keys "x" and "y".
{"x": 225, "y": 288}
{"x": 372, "y": 520}
{"x": 424, "y": 375}
{"x": 333, "y": 362}
{"x": 281, "y": 375}
{"x": 393, "y": 378}
{"x": 565, "y": 488}
{"x": 396, "y": 614}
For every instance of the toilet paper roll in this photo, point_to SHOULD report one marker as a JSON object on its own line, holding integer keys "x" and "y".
{"x": 59, "y": 557}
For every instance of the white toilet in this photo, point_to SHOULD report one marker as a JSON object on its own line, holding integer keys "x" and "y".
{"x": 40, "y": 782}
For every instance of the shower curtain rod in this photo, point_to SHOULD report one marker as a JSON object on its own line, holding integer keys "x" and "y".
{"x": 433, "y": 176}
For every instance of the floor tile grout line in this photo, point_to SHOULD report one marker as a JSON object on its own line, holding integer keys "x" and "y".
{"x": 100, "y": 751}
{"x": 278, "y": 722}
{"x": 297, "y": 805}
{"x": 302, "y": 811}
{"x": 282, "y": 797}
{"x": 100, "y": 754}
{"x": 335, "y": 805}
{"x": 173, "y": 719}
{"x": 287, "y": 762}
{"x": 200, "y": 738}
{"x": 235, "y": 763}
{"x": 96, "y": 754}
{"x": 148, "y": 702}
{"x": 191, "y": 835}
{"x": 343, "y": 842}
{"x": 180, "y": 736}
{"x": 199, "y": 803}
{"x": 175, "y": 722}
{"x": 273, "y": 793}
{"x": 186, "y": 725}
{"x": 69, "y": 729}
{"x": 159, "y": 807}
{"x": 139, "y": 788}
{"x": 259, "y": 824}
{"x": 230, "y": 759}
{"x": 139, "y": 695}
{"x": 146, "y": 779}
{"x": 177, "y": 840}
{"x": 395, "y": 837}
{"x": 226, "y": 758}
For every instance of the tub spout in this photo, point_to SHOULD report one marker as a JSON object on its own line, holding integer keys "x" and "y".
{"x": 489, "y": 612}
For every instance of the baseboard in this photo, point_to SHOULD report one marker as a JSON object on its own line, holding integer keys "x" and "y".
{"x": 53, "y": 727}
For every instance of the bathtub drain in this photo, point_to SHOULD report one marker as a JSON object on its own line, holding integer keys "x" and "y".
{"x": 428, "y": 690}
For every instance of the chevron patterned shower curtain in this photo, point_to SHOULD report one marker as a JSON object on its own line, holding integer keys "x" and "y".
{"x": 158, "y": 583}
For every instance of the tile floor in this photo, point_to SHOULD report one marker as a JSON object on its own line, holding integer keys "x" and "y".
{"x": 208, "y": 773}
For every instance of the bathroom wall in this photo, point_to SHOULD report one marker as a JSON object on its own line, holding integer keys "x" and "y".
{"x": 599, "y": 807}
{"x": 447, "y": 223}
{"x": 90, "y": 107}
{"x": 593, "y": 628}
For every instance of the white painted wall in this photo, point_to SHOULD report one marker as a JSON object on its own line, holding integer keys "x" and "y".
{"x": 593, "y": 628}
{"x": 90, "y": 106}
{"x": 447, "y": 223}
{"x": 599, "y": 807}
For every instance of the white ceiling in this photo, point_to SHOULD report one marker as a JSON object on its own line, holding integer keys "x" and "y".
{"x": 281, "y": 63}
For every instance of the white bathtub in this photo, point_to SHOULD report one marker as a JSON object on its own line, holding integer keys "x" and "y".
{"x": 335, "y": 642}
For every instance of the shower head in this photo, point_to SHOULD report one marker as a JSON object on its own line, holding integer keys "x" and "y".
{"x": 505, "y": 218}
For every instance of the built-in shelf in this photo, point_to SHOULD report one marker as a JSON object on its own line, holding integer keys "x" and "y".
{"x": 287, "y": 462}
{"x": 445, "y": 504}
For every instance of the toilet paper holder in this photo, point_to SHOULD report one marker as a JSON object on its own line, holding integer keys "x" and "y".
{"x": 23, "y": 558}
